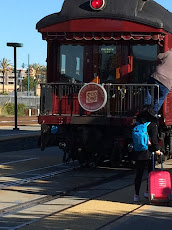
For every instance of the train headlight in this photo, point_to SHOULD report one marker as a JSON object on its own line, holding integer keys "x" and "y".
{"x": 97, "y": 4}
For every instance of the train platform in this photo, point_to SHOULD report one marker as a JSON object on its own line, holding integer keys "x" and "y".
{"x": 101, "y": 208}
{"x": 8, "y": 132}
{"x": 27, "y": 126}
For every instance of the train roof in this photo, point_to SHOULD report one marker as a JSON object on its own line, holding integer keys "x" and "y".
{"x": 146, "y": 12}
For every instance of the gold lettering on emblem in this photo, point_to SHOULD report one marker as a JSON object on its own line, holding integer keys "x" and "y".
{"x": 91, "y": 96}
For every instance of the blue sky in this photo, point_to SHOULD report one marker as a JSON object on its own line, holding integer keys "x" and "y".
{"x": 18, "y": 21}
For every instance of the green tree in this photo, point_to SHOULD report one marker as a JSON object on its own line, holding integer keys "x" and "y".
{"x": 32, "y": 82}
{"x": 39, "y": 72}
{"x": 43, "y": 73}
{"x": 5, "y": 66}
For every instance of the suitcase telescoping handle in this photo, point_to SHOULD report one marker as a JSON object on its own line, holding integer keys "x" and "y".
{"x": 153, "y": 161}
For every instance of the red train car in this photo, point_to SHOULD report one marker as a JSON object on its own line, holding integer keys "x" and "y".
{"x": 100, "y": 54}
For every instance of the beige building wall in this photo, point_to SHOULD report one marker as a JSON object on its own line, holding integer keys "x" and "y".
{"x": 8, "y": 88}
{"x": 9, "y": 79}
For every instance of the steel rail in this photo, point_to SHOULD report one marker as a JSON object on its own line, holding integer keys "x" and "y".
{"x": 116, "y": 177}
{"x": 37, "y": 177}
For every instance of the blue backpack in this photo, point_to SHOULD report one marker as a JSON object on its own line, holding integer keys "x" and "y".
{"x": 140, "y": 136}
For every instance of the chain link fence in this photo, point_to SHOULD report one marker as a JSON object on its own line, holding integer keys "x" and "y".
{"x": 31, "y": 102}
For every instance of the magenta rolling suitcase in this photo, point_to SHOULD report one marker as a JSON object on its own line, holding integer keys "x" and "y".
{"x": 159, "y": 185}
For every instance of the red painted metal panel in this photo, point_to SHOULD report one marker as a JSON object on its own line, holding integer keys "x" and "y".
{"x": 170, "y": 41}
{"x": 99, "y": 25}
{"x": 64, "y": 106}
{"x": 59, "y": 120}
{"x": 53, "y": 120}
{"x": 167, "y": 109}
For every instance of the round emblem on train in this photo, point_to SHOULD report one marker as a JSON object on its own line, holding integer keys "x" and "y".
{"x": 92, "y": 97}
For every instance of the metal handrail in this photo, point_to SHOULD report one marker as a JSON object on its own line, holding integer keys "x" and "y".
{"x": 123, "y": 99}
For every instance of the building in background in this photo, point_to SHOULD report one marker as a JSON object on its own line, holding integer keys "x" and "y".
{"x": 9, "y": 80}
{"x": 37, "y": 75}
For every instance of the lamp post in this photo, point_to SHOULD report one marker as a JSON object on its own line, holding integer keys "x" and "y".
{"x": 28, "y": 81}
{"x": 15, "y": 45}
{"x": 28, "y": 85}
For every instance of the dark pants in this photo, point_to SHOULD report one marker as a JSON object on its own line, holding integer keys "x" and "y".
{"x": 163, "y": 92}
{"x": 140, "y": 167}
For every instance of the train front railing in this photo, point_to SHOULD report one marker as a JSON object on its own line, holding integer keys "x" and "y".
{"x": 122, "y": 99}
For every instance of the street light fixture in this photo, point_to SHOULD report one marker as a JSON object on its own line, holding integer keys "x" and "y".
{"x": 15, "y": 45}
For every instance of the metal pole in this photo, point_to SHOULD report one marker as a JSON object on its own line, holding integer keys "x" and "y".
{"x": 15, "y": 45}
{"x": 15, "y": 89}
{"x": 28, "y": 86}
{"x": 41, "y": 75}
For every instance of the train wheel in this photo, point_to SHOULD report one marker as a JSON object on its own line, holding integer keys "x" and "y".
{"x": 116, "y": 155}
{"x": 83, "y": 158}
{"x": 98, "y": 159}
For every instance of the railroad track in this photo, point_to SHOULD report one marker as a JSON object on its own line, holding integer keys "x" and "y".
{"x": 67, "y": 173}
{"x": 20, "y": 182}
{"x": 65, "y": 191}
{"x": 4, "y": 185}
{"x": 27, "y": 120}
{"x": 27, "y": 207}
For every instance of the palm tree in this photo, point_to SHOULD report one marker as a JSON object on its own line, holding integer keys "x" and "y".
{"x": 39, "y": 71}
{"x": 5, "y": 66}
{"x": 43, "y": 73}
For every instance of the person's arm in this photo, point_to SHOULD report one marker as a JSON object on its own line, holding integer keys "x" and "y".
{"x": 161, "y": 56}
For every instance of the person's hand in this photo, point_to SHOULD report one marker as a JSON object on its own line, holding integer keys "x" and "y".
{"x": 158, "y": 152}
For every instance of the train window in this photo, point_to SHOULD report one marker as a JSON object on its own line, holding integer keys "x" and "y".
{"x": 144, "y": 62}
{"x": 71, "y": 63}
{"x": 107, "y": 62}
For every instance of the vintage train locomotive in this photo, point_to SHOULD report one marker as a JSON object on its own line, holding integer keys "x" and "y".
{"x": 100, "y": 54}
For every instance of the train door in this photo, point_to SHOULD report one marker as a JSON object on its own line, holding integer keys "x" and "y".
{"x": 102, "y": 61}
{"x": 119, "y": 63}
{"x": 108, "y": 63}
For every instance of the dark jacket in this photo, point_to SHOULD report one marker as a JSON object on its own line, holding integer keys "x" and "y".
{"x": 153, "y": 135}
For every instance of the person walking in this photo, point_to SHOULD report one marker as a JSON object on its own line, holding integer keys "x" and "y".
{"x": 143, "y": 158}
{"x": 163, "y": 78}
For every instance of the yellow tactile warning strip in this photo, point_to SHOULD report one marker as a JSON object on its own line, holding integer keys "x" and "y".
{"x": 92, "y": 214}
{"x": 103, "y": 212}
{"x": 95, "y": 213}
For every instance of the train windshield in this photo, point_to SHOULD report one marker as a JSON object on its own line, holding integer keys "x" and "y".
{"x": 144, "y": 62}
{"x": 71, "y": 63}
{"x": 116, "y": 63}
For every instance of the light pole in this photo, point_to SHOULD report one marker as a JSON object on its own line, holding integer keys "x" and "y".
{"x": 15, "y": 45}
{"x": 28, "y": 79}
{"x": 28, "y": 85}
